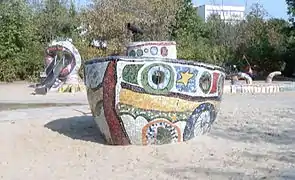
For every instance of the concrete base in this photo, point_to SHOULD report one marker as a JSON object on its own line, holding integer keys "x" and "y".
{"x": 72, "y": 88}
{"x": 259, "y": 88}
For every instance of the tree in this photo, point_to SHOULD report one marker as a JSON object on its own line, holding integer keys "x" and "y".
{"x": 16, "y": 38}
{"x": 55, "y": 19}
{"x": 290, "y": 32}
{"x": 153, "y": 16}
{"x": 263, "y": 41}
{"x": 28, "y": 26}
{"x": 189, "y": 31}
{"x": 291, "y": 9}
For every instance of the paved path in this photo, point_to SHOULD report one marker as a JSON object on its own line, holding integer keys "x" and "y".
{"x": 21, "y": 93}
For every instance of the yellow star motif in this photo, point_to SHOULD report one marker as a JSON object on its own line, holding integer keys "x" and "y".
{"x": 173, "y": 117}
{"x": 185, "y": 77}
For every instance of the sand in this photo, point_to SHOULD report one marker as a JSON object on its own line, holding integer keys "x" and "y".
{"x": 253, "y": 138}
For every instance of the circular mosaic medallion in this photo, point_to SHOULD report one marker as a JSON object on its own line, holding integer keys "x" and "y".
{"x": 160, "y": 132}
{"x": 139, "y": 52}
{"x": 205, "y": 82}
{"x": 157, "y": 78}
{"x": 132, "y": 53}
{"x": 200, "y": 121}
{"x": 164, "y": 51}
{"x": 154, "y": 50}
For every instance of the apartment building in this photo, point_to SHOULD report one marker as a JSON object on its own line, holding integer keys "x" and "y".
{"x": 226, "y": 13}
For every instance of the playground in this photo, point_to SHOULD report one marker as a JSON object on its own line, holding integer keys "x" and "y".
{"x": 56, "y": 138}
{"x": 69, "y": 128}
{"x": 145, "y": 90}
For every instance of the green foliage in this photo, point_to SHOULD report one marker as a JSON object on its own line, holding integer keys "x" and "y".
{"x": 28, "y": 26}
{"x": 290, "y": 36}
{"x": 18, "y": 58}
{"x": 291, "y": 9}
{"x": 26, "y": 29}
{"x": 187, "y": 31}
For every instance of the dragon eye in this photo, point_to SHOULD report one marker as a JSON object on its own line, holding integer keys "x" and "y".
{"x": 157, "y": 78}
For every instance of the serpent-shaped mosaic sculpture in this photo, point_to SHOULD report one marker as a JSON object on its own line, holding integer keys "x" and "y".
{"x": 62, "y": 63}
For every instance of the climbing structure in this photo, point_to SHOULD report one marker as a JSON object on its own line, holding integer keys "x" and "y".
{"x": 62, "y": 64}
{"x": 150, "y": 97}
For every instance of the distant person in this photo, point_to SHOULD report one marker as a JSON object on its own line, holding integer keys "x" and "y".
{"x": 249, "y": 70}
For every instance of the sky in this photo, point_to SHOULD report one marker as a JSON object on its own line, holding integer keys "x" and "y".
{"x": 275, "y": 8}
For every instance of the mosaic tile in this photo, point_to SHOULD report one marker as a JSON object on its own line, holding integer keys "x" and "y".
{"x": 146, "y": 101}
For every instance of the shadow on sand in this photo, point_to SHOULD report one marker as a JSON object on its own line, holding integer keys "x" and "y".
{"x": 78, "y": 127}
{"x": 253, "y": 134}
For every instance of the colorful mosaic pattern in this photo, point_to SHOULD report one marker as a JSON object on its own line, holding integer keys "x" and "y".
{"x": 95, "y": 76}
{"x": 157, "y": 78}
{"x": 154, "y": 101}
{"x": 130, "y": 73}
{"x": 160, "y": 132}
{"x": 72, "y": 56}
{"x": 186, "y": 79}
{"x": 200, "y": 121}
{"x": 205, "y": 82}
{"x": 62, "y": 63}
{"x": 214, "y": 82}
{"x": 220, "y": 85}
{"x": 149, "y": 115}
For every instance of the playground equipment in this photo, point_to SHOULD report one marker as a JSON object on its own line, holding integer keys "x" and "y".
{"x": 272, "y": 75}
{"x": 235, "y": 78}
{"x": 62, "y": 63}
{"x": 151, "y": 97}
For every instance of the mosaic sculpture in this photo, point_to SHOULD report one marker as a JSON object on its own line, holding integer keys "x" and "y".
{"x": 240, "y": 75}
{"x": 62, "y": 64}
{"x": 150, "y": 97}
{"x": 272, "y": 75}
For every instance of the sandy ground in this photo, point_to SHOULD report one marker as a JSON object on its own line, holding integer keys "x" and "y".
{"x": 253, "y": 138}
